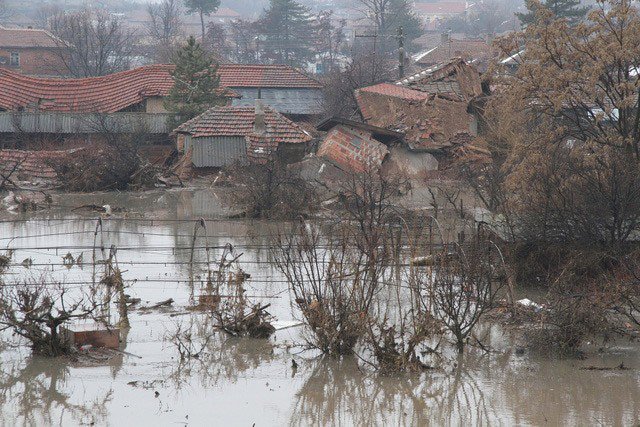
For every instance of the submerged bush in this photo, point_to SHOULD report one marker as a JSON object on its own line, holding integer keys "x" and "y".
{"x": 271, "y": 190}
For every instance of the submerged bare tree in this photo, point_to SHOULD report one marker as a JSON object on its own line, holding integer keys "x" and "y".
{"x": 336, "y": 278}
{"x": 466, "y": 280}
{"x": 94, "y": 42}
{"x": 35, "y": 310}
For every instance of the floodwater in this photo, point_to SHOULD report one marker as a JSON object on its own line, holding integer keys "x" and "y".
{"x": 248, "y": 382}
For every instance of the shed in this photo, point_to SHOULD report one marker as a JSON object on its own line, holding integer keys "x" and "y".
{"x": 224, "y": 135}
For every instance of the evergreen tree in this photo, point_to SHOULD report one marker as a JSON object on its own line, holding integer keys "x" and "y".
{"x": 401, "y": 14}
{"x": 202, "y": 8}
{"x": 196, "y": 83}
{"x": 387, "y": 16}
{"x": 287, "y": 29}
{"x": 568, "y": 9}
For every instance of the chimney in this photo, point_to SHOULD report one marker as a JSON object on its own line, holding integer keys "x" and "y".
{"x": 259, "y": 125}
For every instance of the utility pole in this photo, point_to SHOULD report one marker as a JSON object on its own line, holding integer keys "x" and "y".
{"x": 373, "y": 36}
{"x": 400, "y": 53}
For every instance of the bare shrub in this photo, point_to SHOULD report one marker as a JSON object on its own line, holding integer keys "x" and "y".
{"x": 190, "y": 340}
{"x": 577, "y": 303}
{"x": 466, "y": 280}
{"x": 233, "y": 312}
{"x": 335, "y": 279}
{"x": 103, "y": 167}
{"x": 270, "y": 191}
{"x": 35, "y": 310}
{"x": 326, "y": 286}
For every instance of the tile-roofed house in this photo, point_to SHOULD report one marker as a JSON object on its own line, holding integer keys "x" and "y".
{"x": 223, "y": 135}
{"x": 431, "y": 107}
{"x": 139, "y": 89}
{"x": 32, "y": 51}
{"x": 282, "y": 87}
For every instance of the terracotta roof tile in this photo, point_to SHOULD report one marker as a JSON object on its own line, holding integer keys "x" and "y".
{"x": 114, "y": 92}
{"x": 239, "y": 121}
{"x": 27, "y": 37}
{"x": 282, "y": 76}
{"x": 31, "y": 165}
{"x": 107, "y": 94}
{"x": 397, "y": 91}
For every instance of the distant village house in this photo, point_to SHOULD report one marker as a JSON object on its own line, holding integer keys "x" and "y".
{"x": 32, "y": 51}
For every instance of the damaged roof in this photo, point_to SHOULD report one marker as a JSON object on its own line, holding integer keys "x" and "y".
{"x": 115, "y": 92}
{"x": 451, "y": 77}
{"x": 32, "y": 166}
{"x": 106, "y": 94}
{"x": 375, "y": 131}
{"x": 396, "y": 91}
{"x": 240, "y": 121}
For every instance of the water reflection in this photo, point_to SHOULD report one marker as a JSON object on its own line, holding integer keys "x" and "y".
{"x": 36, "y": 395}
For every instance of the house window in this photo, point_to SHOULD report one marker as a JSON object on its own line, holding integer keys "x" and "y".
{"x": 15, "y": 59}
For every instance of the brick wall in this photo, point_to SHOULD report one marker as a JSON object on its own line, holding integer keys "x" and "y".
{"x": 35, "y": 61}
{"x": 352, "y": 149}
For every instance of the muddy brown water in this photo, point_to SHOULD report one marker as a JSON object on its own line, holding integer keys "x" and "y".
{"x": 247, "y": 382}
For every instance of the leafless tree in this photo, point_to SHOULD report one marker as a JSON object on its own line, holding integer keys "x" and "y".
{"x": 244, "y": 37}
{"x": 164, "y": 27}
{"x": 95, "y": 43}
{"x": 466, "y": 280}
{"x": 340, "y": 85}
{"x": 35, "y": 310}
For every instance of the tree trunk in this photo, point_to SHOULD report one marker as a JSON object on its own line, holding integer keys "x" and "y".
{"x": 202, "y": 24}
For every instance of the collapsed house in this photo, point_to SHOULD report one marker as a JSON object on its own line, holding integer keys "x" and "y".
{"x": 433, "y": 108}
{"x": 224, "y": 135}
{"x": 355, "y": 147}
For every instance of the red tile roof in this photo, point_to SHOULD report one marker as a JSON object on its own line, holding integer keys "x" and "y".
{"x": 395, "y": 90}
{"x": 26, "y": 38}
{"x": 443, "y": 7}
{"x": 31, "y": 165}
{"x": 239, "y": 121}
{"x": 107, "y": 94}
{"x": 273, "y": 76}
{"x": 114, "y": 92}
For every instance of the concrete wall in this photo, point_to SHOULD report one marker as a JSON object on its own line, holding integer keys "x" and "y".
{"x": 352, "y": 149}
{"x": 35, "y": 61}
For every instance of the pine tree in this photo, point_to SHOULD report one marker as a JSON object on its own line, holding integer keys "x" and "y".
{"x": 568, "y": 9}
{"x": 286, "y": 26}
{"x": 401, "y": 14}
{"x": 197, "y": 85}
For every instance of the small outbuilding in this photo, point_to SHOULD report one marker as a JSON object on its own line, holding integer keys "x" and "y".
{"x": 225, "y": 135}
